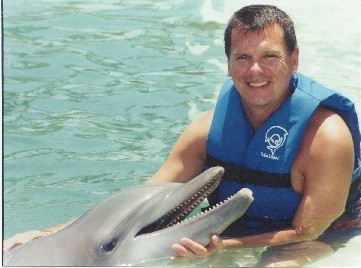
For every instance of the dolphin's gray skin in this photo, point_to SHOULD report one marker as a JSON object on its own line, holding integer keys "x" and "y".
{"x": 133, "y": 225}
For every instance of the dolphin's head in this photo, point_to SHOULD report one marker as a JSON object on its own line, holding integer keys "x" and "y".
{"x": 139, "y": 223}
{"x": 143, "y": 222}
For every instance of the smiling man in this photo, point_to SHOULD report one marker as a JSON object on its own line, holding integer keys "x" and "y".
{"x": 293, "y": 142}
{"x": 261, "y": 67}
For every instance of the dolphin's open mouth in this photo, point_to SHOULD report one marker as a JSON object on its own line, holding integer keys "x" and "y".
{"x": 180, "y": 212}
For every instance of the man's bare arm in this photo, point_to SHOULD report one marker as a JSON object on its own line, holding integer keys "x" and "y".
{"x": 188, "y": 156}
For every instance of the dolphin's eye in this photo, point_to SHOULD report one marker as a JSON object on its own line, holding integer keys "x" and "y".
{"x": 108, "y": 247}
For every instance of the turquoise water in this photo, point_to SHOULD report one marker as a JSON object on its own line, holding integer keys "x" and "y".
{"x": 96, "y": 94}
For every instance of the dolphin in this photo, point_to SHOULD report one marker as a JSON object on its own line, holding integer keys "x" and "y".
{"x": 135, "y": 225}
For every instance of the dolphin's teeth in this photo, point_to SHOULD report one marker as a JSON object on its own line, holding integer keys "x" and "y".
{"x": 179, "y": 213}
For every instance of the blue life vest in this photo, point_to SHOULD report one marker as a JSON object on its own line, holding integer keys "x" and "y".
{"x": 262, "y": 161}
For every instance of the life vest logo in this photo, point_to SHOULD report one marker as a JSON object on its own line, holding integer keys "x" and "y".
{"x": 275, "y": 137}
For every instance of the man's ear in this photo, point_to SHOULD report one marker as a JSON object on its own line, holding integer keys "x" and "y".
{"x": 294, "y": 59}
{"x": 229, "y": 66}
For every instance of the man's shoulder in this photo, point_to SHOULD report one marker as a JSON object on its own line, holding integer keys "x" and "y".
{"x": 328, "y": 123}
{"x": 327, "y": 134}
{"x": 200, "y": 127}
{"x": 204, "y": 120}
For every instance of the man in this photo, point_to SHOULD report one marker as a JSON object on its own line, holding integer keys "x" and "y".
{"x": 275, "y": 131}
{"x": 294, "y": 143}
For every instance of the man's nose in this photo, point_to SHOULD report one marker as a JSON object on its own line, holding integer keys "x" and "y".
{"x": 255, "y": 66}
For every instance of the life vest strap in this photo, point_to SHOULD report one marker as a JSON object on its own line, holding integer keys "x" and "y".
{"x": 241, "y": 174}
{"x": 265, "y": 219}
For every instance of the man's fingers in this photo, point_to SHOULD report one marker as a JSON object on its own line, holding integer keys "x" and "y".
{"x": 194, "y": 247}
{"x": 216, "y": 242}
{"x": 20, "y": 239}
{"x": 188, "y": 247}
{"x": 181, "y": 251}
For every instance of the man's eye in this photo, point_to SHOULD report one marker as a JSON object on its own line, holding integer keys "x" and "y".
{"x": 270, "y": 56}
{"x": 243, "y": 58}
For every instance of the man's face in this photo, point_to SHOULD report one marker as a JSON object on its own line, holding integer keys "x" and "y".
{"x": 261, "y": 67}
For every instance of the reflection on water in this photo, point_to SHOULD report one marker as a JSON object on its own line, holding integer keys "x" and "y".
{"x": 96, "y": 94}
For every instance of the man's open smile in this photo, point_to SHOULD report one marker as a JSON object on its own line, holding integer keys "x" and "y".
{"x": 259, "y": 84}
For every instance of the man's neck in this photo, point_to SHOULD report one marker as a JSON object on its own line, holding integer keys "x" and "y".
{"x": 259, "y": 115}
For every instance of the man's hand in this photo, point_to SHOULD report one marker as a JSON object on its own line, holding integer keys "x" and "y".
{"x": 188, "y": 247}
{"x": 21, "y": 239}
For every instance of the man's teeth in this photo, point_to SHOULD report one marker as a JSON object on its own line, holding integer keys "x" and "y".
{"x": 258, "y": 84}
